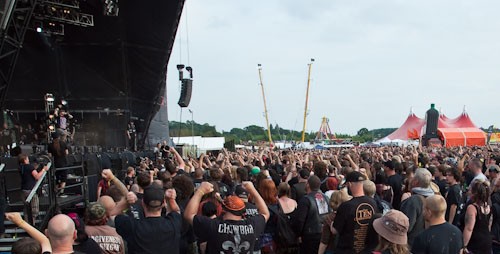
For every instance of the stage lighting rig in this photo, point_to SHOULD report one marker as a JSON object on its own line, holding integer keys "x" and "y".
{"x": 59, "y": 12}
{"x": 111, "y": 8}
{"x": 48, "y": 27}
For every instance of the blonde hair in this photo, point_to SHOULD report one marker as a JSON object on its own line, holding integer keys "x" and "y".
{"x": 338, "y": 197}
{"x": 384, "y": 244}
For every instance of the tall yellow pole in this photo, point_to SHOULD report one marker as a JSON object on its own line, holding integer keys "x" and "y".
{"x": 265, "y": 106}
{"x": 307, "y": 100}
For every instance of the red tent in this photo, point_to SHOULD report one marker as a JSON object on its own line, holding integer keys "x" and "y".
{"x": 462, "y": 136}
{"x": 412, "y": 125}
{"x": 459, "y": 131}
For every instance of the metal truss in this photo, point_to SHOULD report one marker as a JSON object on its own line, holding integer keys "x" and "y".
{"x": 63, "y": 14}
{"x": 11, "y": 41}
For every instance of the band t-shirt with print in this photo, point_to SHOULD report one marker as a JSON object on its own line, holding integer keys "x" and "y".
{"x": 352, "y": 224}
{"x": 229, "y": 236}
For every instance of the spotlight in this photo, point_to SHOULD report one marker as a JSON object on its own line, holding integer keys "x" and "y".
{"x": 190, "y": 70}
{"x": 64, "y": 102}
{"x": 179, "y": 68}
{"x": 39, "y": 30}
{"x": 49, "y": 97}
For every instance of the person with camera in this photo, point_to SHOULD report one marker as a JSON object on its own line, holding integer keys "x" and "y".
{"x": 29, "y": 177}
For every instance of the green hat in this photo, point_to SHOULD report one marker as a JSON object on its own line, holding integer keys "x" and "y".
{"x": 255, "y": 171}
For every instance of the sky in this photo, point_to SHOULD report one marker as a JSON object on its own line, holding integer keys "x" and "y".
{"x": 375, "y": 60}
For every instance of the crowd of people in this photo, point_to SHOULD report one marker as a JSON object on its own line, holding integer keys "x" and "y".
{"x": 342, "y": 200}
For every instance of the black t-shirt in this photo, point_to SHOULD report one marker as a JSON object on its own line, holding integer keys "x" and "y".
{"x": 298, "y": 190}
{"x": 396, "y": 183}
{"x": 293, "y": 181}
{"x": 453, "y": 197}
{"x": 251, "y": 209}
{"x": 352, "y": 223}
{"x": 60, "y": 160}
{"x": 442, "y": 184}
{"x": 27, "y": 179}
{"x": 88, "y": 246}
{"x": 128, "y": 181}
{"x": 228, "y": 236}
{"x": 438, "y": 239}
{"x": 151, "y": 234}
{"x": 224, "y": 189}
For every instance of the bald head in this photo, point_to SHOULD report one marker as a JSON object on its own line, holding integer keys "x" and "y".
{"x": 107, "y": 202}
{"x": 61, "y": 231}
{"x": 436, "y": 204}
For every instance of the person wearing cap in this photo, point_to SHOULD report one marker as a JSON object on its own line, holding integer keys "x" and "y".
{"x": 154, "y": 233}
{"x": 250, "y": 209}
{"x": 440, "y": 237}
{"x": 392, "y": 229}
{"x": 414, "y": 205}
{"x": 231, "y": 233}
{"x": 394, "y": 180}
{"x": 353, "y": 217}
{"x": 96, "y": 228}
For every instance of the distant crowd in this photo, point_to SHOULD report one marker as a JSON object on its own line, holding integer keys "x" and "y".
{"x": 343, "y": 200}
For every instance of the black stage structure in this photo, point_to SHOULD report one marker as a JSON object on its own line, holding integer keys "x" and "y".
{"x": 109, "y": 73}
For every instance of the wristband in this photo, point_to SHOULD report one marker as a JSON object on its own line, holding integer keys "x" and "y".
{"x": 202, "y": 193}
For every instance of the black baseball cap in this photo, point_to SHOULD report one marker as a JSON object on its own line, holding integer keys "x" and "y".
{"x": 355, "y": 176}
{"x": 153, "y": 196}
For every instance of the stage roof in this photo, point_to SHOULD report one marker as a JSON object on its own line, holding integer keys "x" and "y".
{"x": 120, "y": 63}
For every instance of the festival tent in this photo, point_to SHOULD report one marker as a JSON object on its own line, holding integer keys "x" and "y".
{"x": 462, "y": 136}
{"x": 413, "y": 127}
{"x": 410, "y": 128}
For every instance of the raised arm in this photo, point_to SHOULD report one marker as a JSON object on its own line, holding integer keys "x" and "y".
{"x": 33, "y": 232}
{"x": 178, "y": 158}
{"x": 259, "y": 202}
{"x": 353, "y": 164}
{"x": 122, "y": 204}
{"x": 172, "y": 206}
{"x": 194, "y": 203}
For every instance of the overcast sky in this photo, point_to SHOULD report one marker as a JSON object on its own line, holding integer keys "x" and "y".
{"x": 375, "y": 60}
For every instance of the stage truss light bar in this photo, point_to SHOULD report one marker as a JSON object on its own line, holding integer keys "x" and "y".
{"x": 64, "y": 15}
{"x": 64, "y": 3}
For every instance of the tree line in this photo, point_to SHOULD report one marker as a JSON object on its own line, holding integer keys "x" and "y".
{"x": 258, "y": 133}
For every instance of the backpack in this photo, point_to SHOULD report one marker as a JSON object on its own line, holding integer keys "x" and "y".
{"x": 284, "y": 236}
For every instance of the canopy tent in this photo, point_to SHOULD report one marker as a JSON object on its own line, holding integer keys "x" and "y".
{"x": 412, "y": 125}
{"x": 462, "y": 136}
{"x": 413, "y": 128}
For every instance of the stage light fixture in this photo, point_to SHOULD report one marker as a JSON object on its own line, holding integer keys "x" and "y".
{"x": 49, "y": 97}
